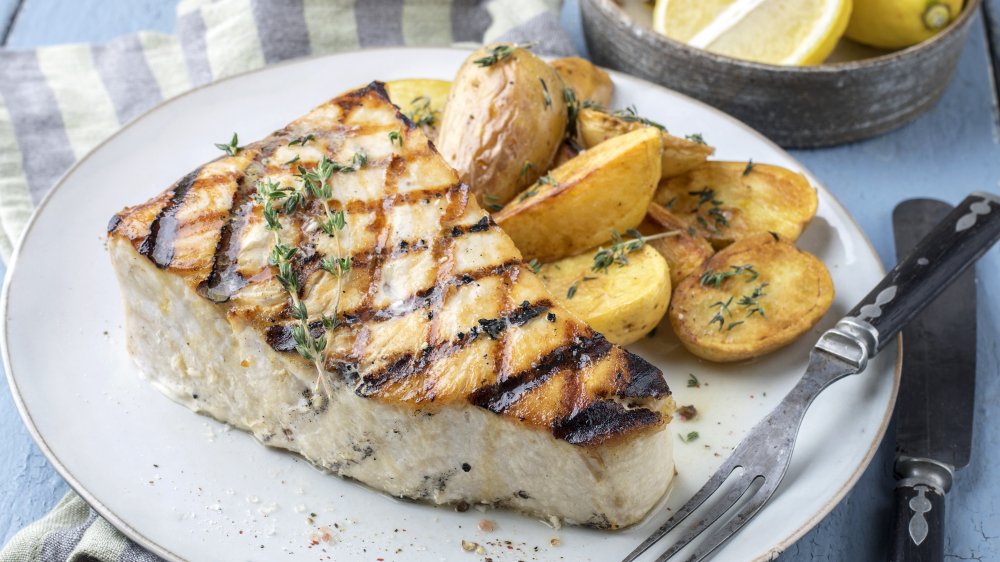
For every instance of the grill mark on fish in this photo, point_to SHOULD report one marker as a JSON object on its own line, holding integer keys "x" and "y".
{"x": 279, "y": 336}
{"x": 408, "y": 364}
{"x": 225, "y": 278}
{"x": 375, "y": 267}
{"x": 602, "y": 420}
{"x": 579, "y": 353}
{"x": 158, "y": 246}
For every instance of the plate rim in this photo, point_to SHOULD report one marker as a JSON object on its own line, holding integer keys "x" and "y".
{"x": 161, "y": 551}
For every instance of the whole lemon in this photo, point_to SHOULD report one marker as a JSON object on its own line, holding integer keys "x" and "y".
{"x": 894, "y": 24}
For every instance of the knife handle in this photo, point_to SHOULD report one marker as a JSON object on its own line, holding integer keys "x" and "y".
{"x": 964, "y": 235}
{"x": 918, "y": 529}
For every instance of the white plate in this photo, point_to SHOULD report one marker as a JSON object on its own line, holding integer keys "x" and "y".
{"x": 187, "y": 488}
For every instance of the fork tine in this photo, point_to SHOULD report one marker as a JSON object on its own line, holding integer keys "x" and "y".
{"x": 720, "y": 535}
{"x": 713, "y": 513}
{"x": 694, "y": 503}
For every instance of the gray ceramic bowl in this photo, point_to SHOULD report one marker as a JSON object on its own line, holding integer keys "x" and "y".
{"x": 811, "y": 106}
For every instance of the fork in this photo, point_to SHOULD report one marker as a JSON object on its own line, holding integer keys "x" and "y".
{"x": 764, "y": 454}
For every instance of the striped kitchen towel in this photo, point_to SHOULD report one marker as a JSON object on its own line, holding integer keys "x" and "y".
{"x": 57, "y": 103}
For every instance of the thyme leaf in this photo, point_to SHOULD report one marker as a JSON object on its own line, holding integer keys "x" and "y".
{"x": 500, "y": 53}
{"x": 232, "y": 148}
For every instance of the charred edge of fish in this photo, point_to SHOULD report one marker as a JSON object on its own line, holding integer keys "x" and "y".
{"x": 576, "y": 355}
{"x": 408, "y": 364}
{"x": 116, "y": 220}
{"x": 601, "y": 421}
{"x": 158, "y": 246}
{"x": 645, "y": 380}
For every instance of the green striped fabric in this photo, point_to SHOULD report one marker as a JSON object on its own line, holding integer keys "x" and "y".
{"x": 57, "y": 103}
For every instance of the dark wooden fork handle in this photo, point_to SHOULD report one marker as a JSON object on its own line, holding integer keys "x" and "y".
{"x": 948, "y": 250}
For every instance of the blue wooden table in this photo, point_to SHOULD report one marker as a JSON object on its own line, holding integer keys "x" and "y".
{"x": 952, "y": 150}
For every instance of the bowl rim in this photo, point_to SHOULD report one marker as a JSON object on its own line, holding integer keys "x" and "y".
{"x": 969, "y": 9}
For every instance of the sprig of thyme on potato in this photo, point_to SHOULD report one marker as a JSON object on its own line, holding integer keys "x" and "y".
{"x": 620, "y": 248}
{"x": 500, "y": 53}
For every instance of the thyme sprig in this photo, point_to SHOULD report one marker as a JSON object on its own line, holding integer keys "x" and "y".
{"x": 696, "y": 137}
{"x": 309, "y": 347}
{"x": 707, "y": 195}
{"x": 572, "y": 112}
{"x": 620, "y": 248}
{"x": 715, "y": 278}
{"x": 232, "y": 148}
{"x": 500, "y": 53}
{"x": 422, "y": 113}
{"x": 631, "y": 115}
{"x": 545, "y": 94}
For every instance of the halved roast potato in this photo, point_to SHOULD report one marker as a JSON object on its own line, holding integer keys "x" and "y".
{"x": 577, "y": 205}
{"x": 623, "y": 302}
{"x": 756, "y": 296}
{"x": 727, "y": 201}
{"x": 679, "y": 154}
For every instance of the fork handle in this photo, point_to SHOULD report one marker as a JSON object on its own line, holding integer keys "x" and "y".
{"x": 955, "y": 243}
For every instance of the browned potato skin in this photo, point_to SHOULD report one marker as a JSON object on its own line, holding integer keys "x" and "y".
{"x": 798, "y": 292}
{"x": 587, "y": 81}
{"x": 496, "y": 120}
{"x": 605, "y": 188}
{"x": 765, "y": 199}
{"x": 685, "y": 252}
{"x": 679, "y": 154}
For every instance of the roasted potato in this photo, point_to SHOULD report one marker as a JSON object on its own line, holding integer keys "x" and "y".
{"x": 577, "y": 205}
{"x": 727, "y": 201}
{"x": 623, "y": 302}
{"x": 503, "y": 122}
{"x": 684, "y": 252}
{"x": 422, "y": 100}
{"x": 679, "y": 154}
{"x": 588, "y": 82}
{"x": 757, "y": 295}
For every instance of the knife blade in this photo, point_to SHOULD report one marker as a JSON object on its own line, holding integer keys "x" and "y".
{"x": 936, "y": 397}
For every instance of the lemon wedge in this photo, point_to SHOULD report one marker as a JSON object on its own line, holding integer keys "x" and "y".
{"x": 787, "y": 32}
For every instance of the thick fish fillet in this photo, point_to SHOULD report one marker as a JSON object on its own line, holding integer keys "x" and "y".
{"x": 452, "y": 375}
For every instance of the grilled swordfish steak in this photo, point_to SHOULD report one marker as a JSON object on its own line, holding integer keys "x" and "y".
{"x": 335, "y": 290}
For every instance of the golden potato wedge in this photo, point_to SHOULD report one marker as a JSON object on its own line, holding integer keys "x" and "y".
{"x": 578, "y": 204}
{"x": 679, "y": 154}
{"x": 503, "y": 122}
{"x": 752, "y": 298}
{"x": 624, "y": 303}
{"x": 422, "y": 100}
{"x": 727, "y": 201}
{"x": 588, "y": 82}
{"x": 685, "y": 252}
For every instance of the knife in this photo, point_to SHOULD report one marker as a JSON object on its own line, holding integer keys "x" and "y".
{"x": 936, "y": 398}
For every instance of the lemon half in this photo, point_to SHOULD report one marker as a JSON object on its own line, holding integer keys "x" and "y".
{"x": 787, "y": 32}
